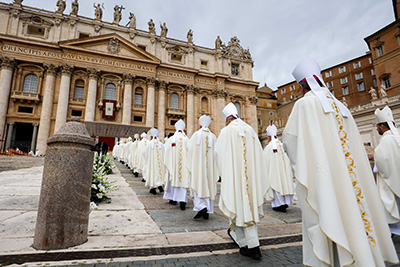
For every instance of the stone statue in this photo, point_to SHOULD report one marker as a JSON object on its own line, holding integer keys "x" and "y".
{"x": 117, "y": 14}
{"x": 373, "y": 93}
{"x": 98, "y": 11}
{"x": 17, "y": 2}
{"x": 61, "y": 6}
{"x": 344, "y": 102}
{"x": 152, "y": 27}
{"x": 218, "y": 43}
{"x": 190, "y": 36}
{"x": 164, "y": 30}
{"x": 382, "y": 90}
{"x": 74, "y": 8}
{"x": 132, "y": 21}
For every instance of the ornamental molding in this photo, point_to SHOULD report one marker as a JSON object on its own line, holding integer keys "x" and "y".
{"x": 113, "y": 46}
{"x": 235, "y": 50}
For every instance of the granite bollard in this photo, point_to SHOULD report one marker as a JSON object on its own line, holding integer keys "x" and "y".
{"x": 63, "y": 213}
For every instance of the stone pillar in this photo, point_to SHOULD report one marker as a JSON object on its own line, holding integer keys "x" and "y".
{"x": 190, "y": 89}
{"x": 151, "y": 82}
{"x": 63, "y": 97}
{"x": 34, "y": 137}
{"x": 127, "y": 102}
{"x": 7, "y": 66}
{"x": 9, "y": 134}
{"x": 220, "y": 95}
{"x": 91, "y": 95}
{"x": 251, "y": 112}
{"x": 161, "y": 109}
{"x": 47, "y": 107}
{"x": 63, "y": 214}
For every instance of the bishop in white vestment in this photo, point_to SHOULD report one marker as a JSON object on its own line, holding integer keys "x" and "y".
{"x": 176, "y": 163}
{"x": 154, "y": 163}
{"x": 132, "y": 154}
{"x": 343, "y": 219}
{"x": 387, "y": 162}
{"x": 279, "y": 172}
{"x": 244, "y": 181}
{"x": 139, "y": 160}
{"x": 203, "y": 169}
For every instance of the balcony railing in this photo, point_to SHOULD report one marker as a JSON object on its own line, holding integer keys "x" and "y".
{"x": 176, "y": 111}
{"x": 25, "y": 96}
{"x": 139, "y": 106}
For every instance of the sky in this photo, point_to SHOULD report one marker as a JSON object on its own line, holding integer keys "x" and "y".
{"x": 279, "y": 33}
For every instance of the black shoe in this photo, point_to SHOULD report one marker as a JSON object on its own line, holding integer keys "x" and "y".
{"x": 253, "y": 253}
{"x": 280, "y": 209}
{"x": 229, "y": 234}
{"x": 182, "y": 205}
{"x": 161, "y": 189}
{"x": 206, "y": 216}
{"x": 200, "y": 214}
{"x": 153, "y": 191}
{"x": 143, "y": 180}
{"x": 136, "y": 174}
{"x": 172, "y": 202}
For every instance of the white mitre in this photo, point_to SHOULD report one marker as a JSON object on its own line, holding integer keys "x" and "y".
{"x": 205, "y": 121}
{"x": 230, "y": 110}
{"x": 136, "y": 136}
{"x": 154, "y": 132}
{"x": 143, "y": 135}
{"x": 306, "y": 70}
{"x": 129, "y": 139}
{"x": 386, "y": 115}
{"x": 180, "y": 125}
{"x": 272, "y": 131}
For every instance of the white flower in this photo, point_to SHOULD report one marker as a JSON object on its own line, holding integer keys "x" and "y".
{"x": 102, "y": 188}
{"x": 93, "y": 206}
{"x": 99, "y": 195}
{"x": 94, "y": 186}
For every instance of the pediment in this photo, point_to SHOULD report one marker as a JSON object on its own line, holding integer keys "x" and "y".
{"x": 111, "y": 45}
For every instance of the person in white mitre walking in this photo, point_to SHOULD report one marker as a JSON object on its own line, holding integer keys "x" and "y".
{"x": 154, "y": 163}
{"x": 279, "y": 172}
{"x": 126, "y": 151}
{"x": 244, "y": 181}
{"x": 140, "y": 163}
{"x": 132, "y": 154}
{"x": 175, "y": 159}
{"x": 387, "y": 159}
{"x": 203, "y": 169}
{"x": 343, "y": 219}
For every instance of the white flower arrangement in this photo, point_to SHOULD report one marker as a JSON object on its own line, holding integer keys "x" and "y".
{"x": 101, "y": 186}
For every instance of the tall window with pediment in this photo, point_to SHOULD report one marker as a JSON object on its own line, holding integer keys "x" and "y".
{"x": 139, "y": 96}
{"x": 110, "y": 91}
{"x": 174, "y": 103}
{"x": 79, "y": 89}
{"x": 237, "y": 105}
{"x": 30, "y": 83}
{"x": 204, "y": 105}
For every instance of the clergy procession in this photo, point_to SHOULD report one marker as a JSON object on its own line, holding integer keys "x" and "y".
{"x": 348, "y": 216}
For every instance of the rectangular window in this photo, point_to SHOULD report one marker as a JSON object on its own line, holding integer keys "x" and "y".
{"x": 76, "y": 113}
{"x": 329, "y": 84}
{"x": 360, "y": 86}
{"x": 387, "y": 83}
{"x": 204, "y": 64}
{"x": 138, "y": 99}
{"x": 259, "y": 122}
{"x": 372, "y": 72}
{"x": 379, "y": 51}
{"x": 370, "y": 60}
{"x": 342, "y": 69}
{"x": 173, "y": 122}
{"x": 291, "y": 97}
{"x": 333, "y": 92}
{"x": 359, "y": 76}
{"x": 176, "y": 58}
{"x": 79, "y": 91}
{"x": 343, "y": 80}
{"x": 328, "y": 74}
{"x": 235, "y": 69}
{"x": 292, "y": 88}
{"x": 375, "y": 82}
{"x": 35, "y": 30}
{"x": 284, "y": 100}
{"x": 138, "y": 118}
{"x": 283, "y": 91}
{"x": 345, "y": 90}
{"x": 25, "y": 109}
{"x": 143, "y": 47}
{"x": 83, "y": 35}
{"x": 357, "y": 64}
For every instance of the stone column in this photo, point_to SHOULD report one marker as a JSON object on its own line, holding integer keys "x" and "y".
{"x": 47, "y": 107}
{"x": 90, "y": 110}
{"x": 151, "y": 82}
{"x": 34, "y": 136}
{"x": 63, "y": 214}
{"x": 127, "y": 105}
{"x": 251, "y": 112}
{"x": 9, "y": 134}
{"x": 190, "y": 89}
{"x": 7, "y": 67}
{"x": 220, "y": 95}
{"x": 63, "y": 97}
{"x": 161, "y": 109}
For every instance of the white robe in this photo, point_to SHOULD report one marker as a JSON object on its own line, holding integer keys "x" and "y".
{"x": 154, "y": 163}
{"x": 201, "y": 164}
{"x": 132, "y": 154}
{"x": 280, "y": 175}
{"x": 126, "y": 151}
{"x": 329, "y": 170}
{"x": 244, "y": 178}
{"x": 387, "y": 160}
{"x": 140, "y": 163}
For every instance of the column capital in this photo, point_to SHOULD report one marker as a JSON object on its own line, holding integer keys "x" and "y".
{"x": 151, "y": 81}
{"x": 35, "y": 124}
{"x": 93, "y": 73}
{"x": 7, "y": 63}
{"x": 162, "y": 85}
{"x": 190, "y": 89}
{"x": 253, "y": 100}
{"x": 66, "y": 69}
{"x": 128, "y": 78}
{"x": 218, "y": 93}
{"x": 11, "y": 123}
{"x": 51, "y": 69}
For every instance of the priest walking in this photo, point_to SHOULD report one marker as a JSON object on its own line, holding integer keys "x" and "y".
{"x": 343, "y": 219}
{"x": 154, "y": 163}
{"x": 279, "y": 172}
{"x": 387, "y": 159}
{"x": 176, "y": 163}
{"x": 244, "y": 181}
{"x": 203, "y": 169}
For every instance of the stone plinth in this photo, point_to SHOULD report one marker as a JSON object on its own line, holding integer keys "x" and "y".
{"x": 63, "y": 214}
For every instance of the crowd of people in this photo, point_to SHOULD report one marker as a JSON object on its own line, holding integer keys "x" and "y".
{"x": 345, "y": 213}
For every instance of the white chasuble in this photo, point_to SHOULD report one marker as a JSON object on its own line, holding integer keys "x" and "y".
{"x": 387, "y": 160}
{"x": 279, "y": 170}
{"x": 335, "y": 187}
{"x": 140, "y": 163}
{"x": 154, "y": 163}
{"x": 176, "y": 160}
{"x": 244, "y": 178}
{"x": 132, "y": 154}
{"x": 201, "y": 164}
